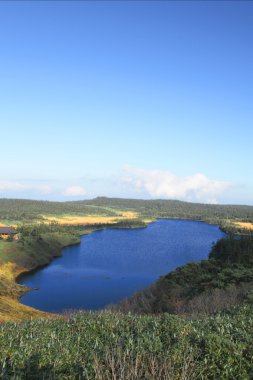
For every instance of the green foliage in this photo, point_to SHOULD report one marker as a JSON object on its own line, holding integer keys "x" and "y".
{"x": 39, "y": 243}
{"x": 234, "y": 250}
{"x": 125, "y": 346}
{"x": 177, "y": 209}
{"x": 115, "y": 346}
{"x": 36, "y": 244}
{"x": 224, "y": 279}
{"x": 20, "y": 209}
{"x": 29, "y": 210}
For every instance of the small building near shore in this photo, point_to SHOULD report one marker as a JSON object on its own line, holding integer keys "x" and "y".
{"x": 7, "y": 231}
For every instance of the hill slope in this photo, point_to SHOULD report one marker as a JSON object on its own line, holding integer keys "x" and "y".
{"x": 29, "y": 210}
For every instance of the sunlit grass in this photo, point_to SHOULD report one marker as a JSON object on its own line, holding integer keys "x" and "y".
{"x": 10, "y": 291}
{"x": 90, "y": 219}
{"x": 244, "y": 225}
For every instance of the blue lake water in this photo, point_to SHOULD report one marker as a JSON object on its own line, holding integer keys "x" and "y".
{"x": 110, "y": 265}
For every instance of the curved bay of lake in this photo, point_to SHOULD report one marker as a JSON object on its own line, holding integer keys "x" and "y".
{"x": 112, "y": 264}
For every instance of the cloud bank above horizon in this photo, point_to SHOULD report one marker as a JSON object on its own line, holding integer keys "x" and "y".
{"x": 130, "y": 182}
{"x": 165, "y": 184}
{"x": 74, "y": 191}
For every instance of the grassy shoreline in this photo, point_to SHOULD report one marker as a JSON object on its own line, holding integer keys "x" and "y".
{"x": 38, "y": 251}
{"x": 41, "y": 250}
{"x": 131, "y": 346}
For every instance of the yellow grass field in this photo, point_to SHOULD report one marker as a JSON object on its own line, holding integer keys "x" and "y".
{"x": 244, "y": 225}
{"x": 10, "y": 308}
{"x": 90, "y": 219}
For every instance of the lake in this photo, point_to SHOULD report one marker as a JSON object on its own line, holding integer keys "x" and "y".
{"x": 109, "y": 265}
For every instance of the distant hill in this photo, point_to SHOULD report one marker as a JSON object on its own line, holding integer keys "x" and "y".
{"x": 20, "y": 209}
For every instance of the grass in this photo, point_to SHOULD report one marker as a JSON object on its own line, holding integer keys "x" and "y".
{"x": 90, "y": 219}
{"x": 13, "y": 310}
{"x": 9, "y": 222}
{"x": 9, "y": 251}
{"x": 10, "y": 291}
{"x": 37, "y": 245}
{"x": 107, "y": 346}
{"x": 244, "y": 225}
{"x": 16, "y": 258}
{"x": 79, "y": 219}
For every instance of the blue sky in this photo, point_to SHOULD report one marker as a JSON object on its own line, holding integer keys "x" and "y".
{"x": 142, "y": 99}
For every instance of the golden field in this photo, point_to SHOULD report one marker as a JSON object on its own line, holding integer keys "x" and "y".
{"x": 10, "y": 308}
{"x": 244, "y": 225}
{"x": 90, "y": 219}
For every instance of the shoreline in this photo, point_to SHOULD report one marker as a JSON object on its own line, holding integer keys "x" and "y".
{"x": 131, "y": 224}
{"x": 23, "y": 272}
{"x": 26, "y": 273}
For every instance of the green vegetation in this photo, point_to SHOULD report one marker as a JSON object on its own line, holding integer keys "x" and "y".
{"x": 225, "y": 279}
{"x": 25, "y": 210}
{"x": 209, "y": 338}
{"x": 29, "y": 210}
{"x": 37, "y": 245}
{"x": 177, "y": 209}
{"x": 115, "y": 346}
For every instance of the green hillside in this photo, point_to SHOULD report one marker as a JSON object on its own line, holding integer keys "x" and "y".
{"x": 222, "y": 281}
{"x": 22, "y": 210}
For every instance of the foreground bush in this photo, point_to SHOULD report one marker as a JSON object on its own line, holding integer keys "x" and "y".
{"x": 115, "y": 346}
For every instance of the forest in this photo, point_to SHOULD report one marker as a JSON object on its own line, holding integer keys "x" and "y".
{"x": 224, "y": 280}
{"x": 21, "y": 210}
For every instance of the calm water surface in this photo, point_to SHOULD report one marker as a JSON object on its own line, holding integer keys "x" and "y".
{"x": 110, "y": 265}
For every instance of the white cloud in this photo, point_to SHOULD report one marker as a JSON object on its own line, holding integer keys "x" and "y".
{"x": 44, "y": 189}
{"x": 164, "y": 184}
{"x": 74, "y": 191}
{"x": 11, "y": 186}
{"x": 38, "y": 188}
{"x": 136, "y": 182}
{"x": 14, "y": 186}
